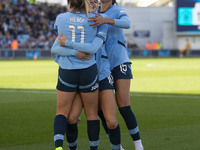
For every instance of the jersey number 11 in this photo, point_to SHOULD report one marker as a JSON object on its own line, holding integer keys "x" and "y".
{"x": 74, "y": 34}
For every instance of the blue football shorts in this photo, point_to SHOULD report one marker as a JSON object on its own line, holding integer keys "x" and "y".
{"x": 107, "y": 83}
{"x": 80, "y": 80}
{"x": 122, "y": 71}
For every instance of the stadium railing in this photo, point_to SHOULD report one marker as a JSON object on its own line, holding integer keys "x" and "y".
{"x": 163, "y": 53}
{"x": 26, "y": 53}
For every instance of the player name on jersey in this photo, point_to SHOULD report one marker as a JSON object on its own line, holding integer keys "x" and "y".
{"x": 77, "y": 19}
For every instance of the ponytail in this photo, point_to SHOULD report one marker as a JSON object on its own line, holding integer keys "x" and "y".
{"x": 86, "y": 7}
{"x": 81, "y": 5}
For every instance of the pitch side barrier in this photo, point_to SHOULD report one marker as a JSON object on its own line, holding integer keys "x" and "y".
{"x": 25, "y": 53}
{"x": 36, "y": 53}
{"x": 163, "y": 53}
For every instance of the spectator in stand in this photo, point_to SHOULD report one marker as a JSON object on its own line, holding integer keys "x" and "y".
{"x": 14, "y": 45}
{"x": 148, "y": 46}
{"x": 27, "y": 20}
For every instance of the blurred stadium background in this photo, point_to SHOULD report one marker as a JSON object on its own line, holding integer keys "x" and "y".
{"x": 163, "y": 44}
{"x": 159, "y": 27}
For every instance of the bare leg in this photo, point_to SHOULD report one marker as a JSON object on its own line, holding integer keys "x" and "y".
{"x": 72, "y": 129}
{"x": 108, "y": 106}
{"x": 75, "y": 110}
{"x": 90, "y": 102}
{"x": 122, "y": 87}
{"x": 64, "y": 104}
{"x": 123, "y": 100}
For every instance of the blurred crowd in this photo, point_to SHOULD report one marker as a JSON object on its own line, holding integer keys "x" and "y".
{"x": 27, "y": 22}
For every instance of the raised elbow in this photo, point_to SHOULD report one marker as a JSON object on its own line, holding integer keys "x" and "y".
{"x": 93, "y": 51}
{"x": 128, "y": 25}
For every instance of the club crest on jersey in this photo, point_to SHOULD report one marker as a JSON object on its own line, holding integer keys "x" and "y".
{"x": 123, "y": 68}
{"x": 110, "y": 79}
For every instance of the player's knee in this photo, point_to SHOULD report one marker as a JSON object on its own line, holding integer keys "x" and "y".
{"x": 112, "y": 124}
{"x": 92, "y": 116}
{"x": 72, "y": 119}
{"x": 123, "y": 102}
{"x": 60, "y": 112}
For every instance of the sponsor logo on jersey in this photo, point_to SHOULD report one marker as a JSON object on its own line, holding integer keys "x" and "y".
{"x": 95, "y": 87}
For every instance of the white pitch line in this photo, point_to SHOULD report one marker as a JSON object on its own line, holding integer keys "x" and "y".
{"x": 164, "y": 95}
{"x": 30, "y": 91}
{"x": 132, "y": 94}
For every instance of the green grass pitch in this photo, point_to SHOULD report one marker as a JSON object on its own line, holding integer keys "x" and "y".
{"x": 165, "y": 97}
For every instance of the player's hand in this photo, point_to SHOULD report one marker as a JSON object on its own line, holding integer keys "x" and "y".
{"x": 98, "y": 20}
{"x": 62, "y": 39}
{"x": 83, "y": 56}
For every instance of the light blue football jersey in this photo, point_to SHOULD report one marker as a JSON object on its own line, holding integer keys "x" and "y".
{"x": 115, "y": 42}
{"x": 103, "y": 64}
{"x": 75, "y": 26}
{"x": 101, "y": 58}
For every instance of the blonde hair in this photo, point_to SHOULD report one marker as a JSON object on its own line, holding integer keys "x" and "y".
{"x": 86, "y": 7}
{"x": 81, "y": 5}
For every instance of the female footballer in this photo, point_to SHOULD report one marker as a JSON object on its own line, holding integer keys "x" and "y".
{"x": 120, "y": 63}
{"x": 73, "y": 75}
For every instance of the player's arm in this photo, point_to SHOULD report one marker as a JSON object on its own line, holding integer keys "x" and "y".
{"x": 62, "y": 51}
{"x": 90, "y": 48}
{"x": 56, "y": 48}
{"x": 122, "y": 22}
{"x": 65, "y": 51}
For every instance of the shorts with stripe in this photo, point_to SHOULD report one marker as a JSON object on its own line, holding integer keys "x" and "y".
{"x": 122, "y": 71}
{"x": 80, "y": 80}
{"x": 106, "y": 83}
